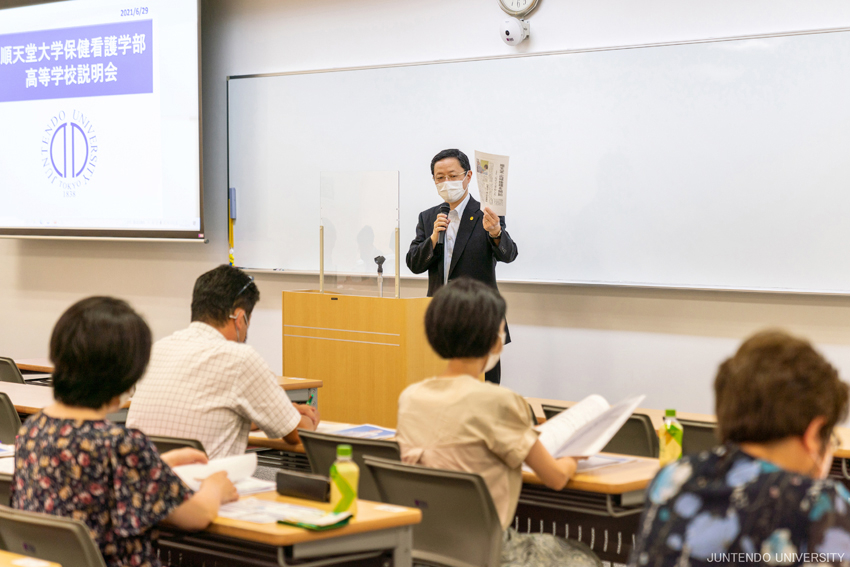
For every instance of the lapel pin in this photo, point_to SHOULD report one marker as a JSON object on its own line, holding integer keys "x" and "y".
{"x": 470, "y": 218}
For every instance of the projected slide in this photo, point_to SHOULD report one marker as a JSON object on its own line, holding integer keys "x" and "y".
{"x": 99, "y": 119}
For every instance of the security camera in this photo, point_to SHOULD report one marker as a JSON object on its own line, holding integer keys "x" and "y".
{"x": 514, "y": 31}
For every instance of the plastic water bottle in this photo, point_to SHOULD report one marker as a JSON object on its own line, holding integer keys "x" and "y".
{"x": 670, "y": 439}
{"x": 345, "y": 478}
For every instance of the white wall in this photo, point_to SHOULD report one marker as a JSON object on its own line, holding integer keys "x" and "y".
{"x": 568, "y": 341}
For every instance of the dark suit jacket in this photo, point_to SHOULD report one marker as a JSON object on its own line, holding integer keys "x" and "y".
{"x": 475, "y": 254}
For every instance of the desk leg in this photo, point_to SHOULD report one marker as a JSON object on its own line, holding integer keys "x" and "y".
{"x": 356, "y": 546}
{"x": 403, "y": 552}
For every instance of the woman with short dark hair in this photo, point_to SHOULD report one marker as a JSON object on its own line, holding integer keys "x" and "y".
{"x": 764, "y": 491}
{"x": 457, "y": 422}
{"x": 71, "y": 461}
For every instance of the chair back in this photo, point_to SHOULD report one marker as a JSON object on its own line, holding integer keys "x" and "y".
{"x": 9, "y": 371}
{"x": 698, "y": 436}
{"x": 551, "y": 411}
{"x": 164, "y": 444}
{"x": 5, "y": 489}
{"x": 636, "y": 437}
{"x": 460, "y": 526}
{"x": 10, "y": 421}
{"x": 321, "y": 452}
{"x": 52, "y": 538}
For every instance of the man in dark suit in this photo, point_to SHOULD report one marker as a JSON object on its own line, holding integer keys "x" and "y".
{"x": 475, "y": 239}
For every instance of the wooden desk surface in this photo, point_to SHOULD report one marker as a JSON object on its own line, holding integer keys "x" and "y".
{"x": 371, "y": 516}
{"x": 35, "y": 365}
{"x": 616, "y": 479}
{"x": 286, "y": 382}
{"x": 289, "y": 383}
{"x": 8, "y": 559}
{"x": 28, "y": 399}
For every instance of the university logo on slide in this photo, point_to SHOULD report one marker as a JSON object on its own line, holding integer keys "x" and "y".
{"x": 69, "y": 151}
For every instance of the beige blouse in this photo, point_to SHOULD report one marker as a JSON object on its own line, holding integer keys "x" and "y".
{"x": 466, "y": 425}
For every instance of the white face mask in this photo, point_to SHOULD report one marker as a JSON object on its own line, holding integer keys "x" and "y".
{"x": 238, "y": 338}
{"x": 494, "y": 358}
{"x": 821, "y": 471}
{"x": 451, "y": 191}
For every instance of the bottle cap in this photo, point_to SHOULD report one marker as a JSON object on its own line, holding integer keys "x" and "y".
{"x": 343, "y": 450}
{"x": 670, "y": 413}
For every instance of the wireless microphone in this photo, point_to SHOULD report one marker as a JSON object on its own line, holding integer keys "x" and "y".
{"x": 444, "y": 209}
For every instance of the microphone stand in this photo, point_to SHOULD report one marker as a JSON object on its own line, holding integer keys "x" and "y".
{"x": 380, "y": 261}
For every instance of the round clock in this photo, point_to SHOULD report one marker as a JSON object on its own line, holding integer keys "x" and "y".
{"x": 518, "y": 8}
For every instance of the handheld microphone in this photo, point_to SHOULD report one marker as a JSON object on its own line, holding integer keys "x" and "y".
{"x": 444, "y": 209}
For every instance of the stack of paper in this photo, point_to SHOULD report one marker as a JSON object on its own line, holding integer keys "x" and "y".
{"x": 239, "y": 469}
{"x": 367, "y": 431}
{"x": 593, "y": 463}
{"x": 267, "y": 512}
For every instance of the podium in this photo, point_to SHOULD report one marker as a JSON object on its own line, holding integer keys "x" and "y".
{"x": 366, "y": 350}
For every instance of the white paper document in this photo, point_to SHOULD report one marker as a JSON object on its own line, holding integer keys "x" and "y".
{"x": 239, "y": 469}
{"x": 491, "y": 171}
{"x": 594, "y": 463}
{"x": 584, "y": 429}
{"x": 367, "y": 431}
{"x": 267, "y": 512}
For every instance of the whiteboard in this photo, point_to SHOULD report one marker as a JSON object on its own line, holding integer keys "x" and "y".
{"x": 709, "y": 165}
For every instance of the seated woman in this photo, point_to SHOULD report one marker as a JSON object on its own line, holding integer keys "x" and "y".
{"x": 764, "y": 490}
{"x": 457, "y": 422}
{"x": 71, "y": 461}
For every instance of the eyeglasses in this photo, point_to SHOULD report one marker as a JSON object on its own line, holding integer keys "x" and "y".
{"x": 450, "y": 177}
{"x": 250, "y": 281}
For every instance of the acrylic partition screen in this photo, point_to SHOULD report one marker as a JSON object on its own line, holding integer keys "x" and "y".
{"x": 717, "y": 165}
{"x": 359, "y": 215}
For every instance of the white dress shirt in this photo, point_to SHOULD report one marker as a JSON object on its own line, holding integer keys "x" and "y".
{"x": 451, "y": 235}
{"x": 201, "y": 386}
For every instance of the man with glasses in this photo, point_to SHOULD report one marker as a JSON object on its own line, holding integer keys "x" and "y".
{"x": 475, "y": 239}
{"x": 205, "y": 383}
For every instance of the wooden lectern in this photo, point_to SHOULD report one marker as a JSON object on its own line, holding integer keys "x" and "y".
{"x": 366, "y": 350}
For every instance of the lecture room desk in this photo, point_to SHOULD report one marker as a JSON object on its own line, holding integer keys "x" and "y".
{"x": 8, "y": 559}
{"x": 300, "y": 390}
{"x": 657, "y": 417}
{"x": 377, "y": 527}
{"x": 600, "y": 508}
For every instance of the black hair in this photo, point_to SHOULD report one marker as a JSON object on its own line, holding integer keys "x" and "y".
{"x": 100, "y": 348}
{"x": 457, "y": 154}
{"x": 463, "y": 319}
{"x": 219, "y": 292}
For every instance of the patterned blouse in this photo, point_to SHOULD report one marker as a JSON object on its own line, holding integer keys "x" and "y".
{"x": 102, "y": 473}
{"x": 726, "y": 507}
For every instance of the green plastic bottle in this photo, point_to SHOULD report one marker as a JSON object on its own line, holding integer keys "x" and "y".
{"x": 670, "y": 439}
{"x": 345, "y": 478}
